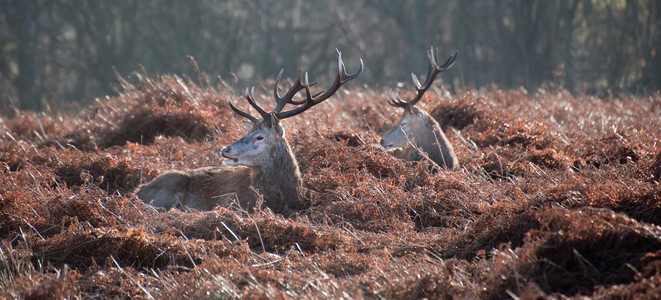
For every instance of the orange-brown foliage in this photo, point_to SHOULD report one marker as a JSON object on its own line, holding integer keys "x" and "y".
{"x": 557, "y": 195}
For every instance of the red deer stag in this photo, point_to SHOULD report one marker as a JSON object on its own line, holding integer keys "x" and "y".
{"x": 261, "y": 159}
{"x": 417, "y": 130}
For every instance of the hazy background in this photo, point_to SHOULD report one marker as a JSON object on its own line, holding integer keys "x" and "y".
{"x": 57, "y": 52}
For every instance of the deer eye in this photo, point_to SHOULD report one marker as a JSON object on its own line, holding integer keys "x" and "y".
{"x": 259, "y": 137}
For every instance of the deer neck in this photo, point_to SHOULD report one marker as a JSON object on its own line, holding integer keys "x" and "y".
{"x": 433, "y": 142}
{"x": 278, "y": 178}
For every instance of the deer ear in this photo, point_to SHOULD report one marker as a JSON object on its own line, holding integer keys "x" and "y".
{"x": 274, "y": 120}
{"x": 414, "y": 110}
{"x": 275, "y": 124}
{"x": 247, "y": 125}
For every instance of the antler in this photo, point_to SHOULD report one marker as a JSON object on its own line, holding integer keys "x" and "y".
{"x": 250, "y": 95}
{"x": 282, "y": 101}
{"x": 433, "y": 70}
{"x": 312, "y": 100}
{"x": 300, "y": 84}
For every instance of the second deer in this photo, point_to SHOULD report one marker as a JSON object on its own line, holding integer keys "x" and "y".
{"x": 417, "y": 131}
{"x": 261, "y": 160}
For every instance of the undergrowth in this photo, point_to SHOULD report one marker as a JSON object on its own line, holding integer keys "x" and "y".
{"x": 557, "y": 195}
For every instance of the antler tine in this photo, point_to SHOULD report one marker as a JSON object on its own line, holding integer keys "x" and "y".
{"x": 395, "y": 101}
{"x": 312, "y": 100}
{"x": 448, "y": 63}
{"x": 250, "y": 95}
{"x": 307, "y": 84}
{"x": 275, "y": 89}
{"x": 242, "y": 113}
{"x": 415, "y": 80}
{"x": 432, "y": 57}
{"x": 432, "y": 70}
{"x": 288, "y": 98}
{"x": 343, "y": 71}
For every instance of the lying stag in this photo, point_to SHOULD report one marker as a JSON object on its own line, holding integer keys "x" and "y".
{"x": 261, "y": 159}
{"x": 417, "y": 131}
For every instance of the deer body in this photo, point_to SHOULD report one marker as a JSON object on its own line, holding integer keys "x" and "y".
{"x": 417, "y": 130}
{"x": 201, "y": 188}
{"x": 261, "y": 161}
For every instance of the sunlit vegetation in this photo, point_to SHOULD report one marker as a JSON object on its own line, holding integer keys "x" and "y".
{"x": 557, "y": 194}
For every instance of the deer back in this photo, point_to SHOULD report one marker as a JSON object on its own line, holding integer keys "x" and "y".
{"x": 167, "y": 191}
{"x": 201, "y": 188}
{"x": 222, "y": 186}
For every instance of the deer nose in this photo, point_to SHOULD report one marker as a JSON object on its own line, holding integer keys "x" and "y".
{"x": 381, "y": 142}
{"x": 225, "y": 150}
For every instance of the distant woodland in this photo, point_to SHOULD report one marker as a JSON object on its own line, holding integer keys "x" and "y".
{"x": 61, "y": 53}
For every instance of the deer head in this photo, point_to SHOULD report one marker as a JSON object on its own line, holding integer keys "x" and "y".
{"x": 416, "y": 126}
{"x": 256, "y": 147}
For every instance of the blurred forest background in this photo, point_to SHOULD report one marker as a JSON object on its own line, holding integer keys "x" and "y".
{"x": 59, "y": 54}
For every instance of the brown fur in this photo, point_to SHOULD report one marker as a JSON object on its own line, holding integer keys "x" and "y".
{"x": 201, "y": 189}
{"x": 263, "y": 150}
{"x": 271, "y": 171}
{"x": 279, "y": 179}
{"x": 418, "y": 130}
